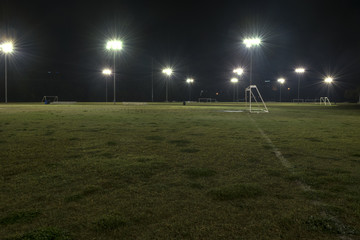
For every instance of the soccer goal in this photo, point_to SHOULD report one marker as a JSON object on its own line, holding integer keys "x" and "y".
{"x": 207, "y": 100}
{"x": 298, "y": 100}
{"x": 50, "y": 99}
{"x": 325, "y": 101}
{"x": 254, "y": 99}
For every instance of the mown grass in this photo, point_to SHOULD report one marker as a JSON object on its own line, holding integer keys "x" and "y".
{"x": 167, "y": 171}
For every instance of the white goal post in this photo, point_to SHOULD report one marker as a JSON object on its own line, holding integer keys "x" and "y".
{"x": 49, "y": 99}
{"x": 325, "y": 101}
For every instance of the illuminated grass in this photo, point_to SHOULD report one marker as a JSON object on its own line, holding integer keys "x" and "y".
{"x": 168, "y": 171}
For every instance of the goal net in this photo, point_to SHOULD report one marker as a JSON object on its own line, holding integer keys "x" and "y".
{"x": 50, "y": 99}
{"x": 207, "y": 100}
{"x": 325, "y": 101}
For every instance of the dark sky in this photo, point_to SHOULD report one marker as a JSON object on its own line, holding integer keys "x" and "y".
{"x": 60, "y": 47}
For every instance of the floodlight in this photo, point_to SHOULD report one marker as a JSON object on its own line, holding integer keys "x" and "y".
{"x": 328, "y": 80}
{"x": 238, "y": 71}
{"x": 234, "y": 80}
{"x": 281, "y": 80}
{"x": 189, "y": 80}
{"x": 168, "y": 71}
{"x": 106, "y": 71}
{"x": 114, "y": 45}
{"x": 300, "y": 70}
{"x": 7, "y": 47}
{"x": 249, "y": 42}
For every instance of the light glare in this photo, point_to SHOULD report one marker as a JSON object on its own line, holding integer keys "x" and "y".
{"x": 238, "y": 71}
{"x": 234, "y": 80}
{"x": 328, "y": 80}
{"x": 281, "y": 80}
{"x": 107, "y": 72}
{"x": 168, "y": 71}
{"x": 7, "y": 47}
{"x": 249, "y": 42}
{"x": 189, "y": 80}
{"x": 300, "y": 70}
{"x": 114, "y": 45}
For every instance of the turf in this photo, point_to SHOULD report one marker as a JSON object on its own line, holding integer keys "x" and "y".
{"x": 168, "y": 171}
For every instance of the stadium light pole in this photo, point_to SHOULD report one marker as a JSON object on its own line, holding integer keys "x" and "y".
{"x": 106, "y": 72}
{"x": 190, "y": 81}
{"x": 234, "y": 81}
{"x": 299, "y": 71}
{"x": 281, "y": 81}
{"x": 7, "y": 48}
{"x": 168, "y": 72}
{"x": 328, "y": 81}
{"x": 114, "y": 45}
{"x": 239, "y": 72}
{"x": 250, "y": 43}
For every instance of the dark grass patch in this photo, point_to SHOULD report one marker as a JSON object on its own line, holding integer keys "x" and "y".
{"x": 144, "y": 159}
{"x": 238, "y": 191}
{"x": 267, "y": 147}
{"x": 313, "y": 139}
{"x": 180, "y": 142}
{"x": 19, "y": 217}
{"x": 189, "y": 150}
{"x": 89, "y": 190}
{"x": 199, "y": 172}
{"x": 109, "y": 223}
{"x": 107, "y": 155}
{"x": 328, "y": 224}
{"x": 274, "y": 173}
{"x": 145, "y": 170}
{"x": 356, "y": 155}
{"x": 196, "y": 185}
{"x": 44, "y": 234}
{"x": 73, "y": 156}
{"x": 49, "y": 133}
{"x": 155, "y": 138}
{"x": 111, "y": 143}
{"x": 74, "y": 139}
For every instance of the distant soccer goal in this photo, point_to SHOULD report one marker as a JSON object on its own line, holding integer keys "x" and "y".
{"x": 325, "y": 101}
{"x": 255, "y": 100}
{"x": 206, "y": 100}
{"x": 50, "y": 99}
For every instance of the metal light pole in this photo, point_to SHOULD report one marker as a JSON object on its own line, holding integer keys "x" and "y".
{"x": 152, "y": 79}
{"x": 251, "y": 42}
{"x": 189, "y": 82}
{"x": 106, "y": 72}
{"x": 299, "y": 71}
{"x": 328, "y": 81}
{"x": 114, "y": 45}
{"x": 281, "y": 81}
{"x": 234, "y": 81}
{"x": 7, "y": 48}
{"x": 239, "y": 72}
{"x": 168, "y": 72}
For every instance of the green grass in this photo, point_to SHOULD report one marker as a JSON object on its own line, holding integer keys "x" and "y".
{"x": 168, "y": 171}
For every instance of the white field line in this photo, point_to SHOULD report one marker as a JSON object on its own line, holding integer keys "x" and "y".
{"x": 290, "y": 167}
{"x": 282, "y": 159}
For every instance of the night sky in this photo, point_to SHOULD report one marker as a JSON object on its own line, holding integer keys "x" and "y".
{"x": 60, "y": 48}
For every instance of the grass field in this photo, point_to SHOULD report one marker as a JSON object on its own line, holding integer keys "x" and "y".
{"x": 167, "y": 171}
